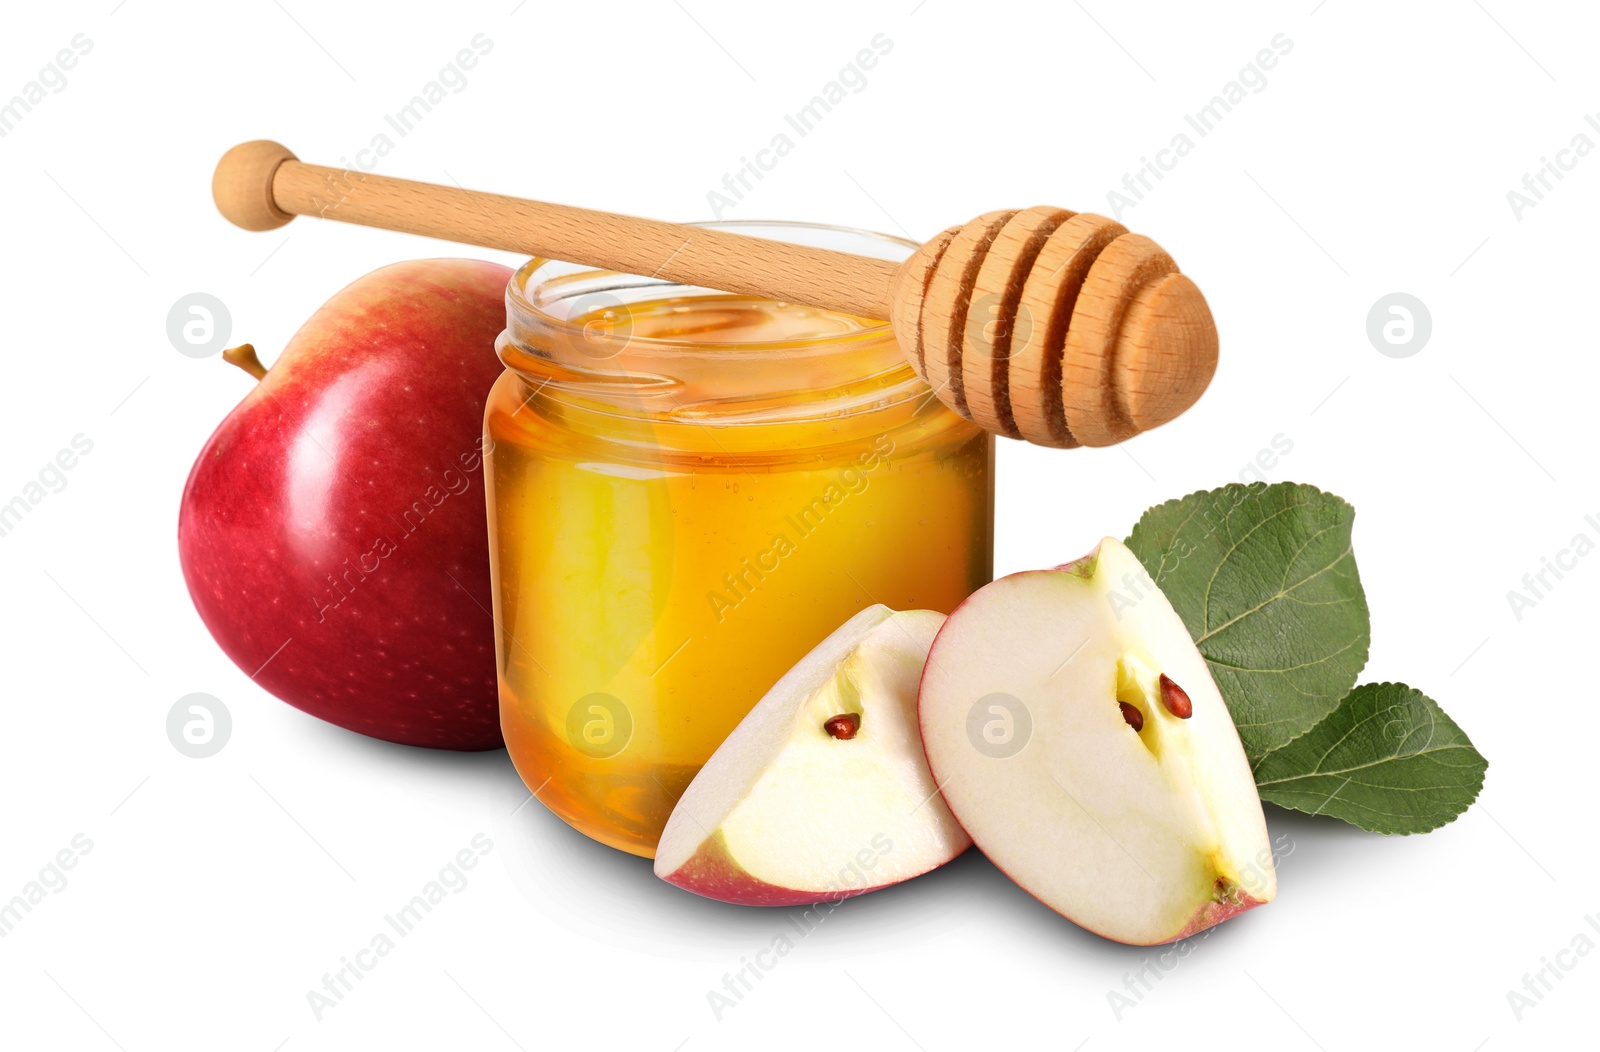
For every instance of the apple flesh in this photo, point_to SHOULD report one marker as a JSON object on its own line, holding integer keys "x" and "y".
{"x": 822, "y": 791}
{"x": 1141, "y": 825}
{"x": 333, "y": 532}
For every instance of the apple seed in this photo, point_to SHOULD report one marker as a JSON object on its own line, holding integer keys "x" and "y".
{"x": 843, "y": 726}
{"x": 1175, "y": 699}
{"x": 1131, "y": 713}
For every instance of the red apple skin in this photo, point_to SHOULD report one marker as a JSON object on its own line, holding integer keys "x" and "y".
{"x": 333, "y": 532}
{"x": 1213, "y": 913}
{"x": 712, "y": 873}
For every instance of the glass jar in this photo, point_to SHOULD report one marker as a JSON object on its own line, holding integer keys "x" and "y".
{"x": 687, "y": 491}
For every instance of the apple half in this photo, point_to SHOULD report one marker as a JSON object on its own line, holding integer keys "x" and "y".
{"x": 1078, "y": 737}
{"x": 822, "y": 791}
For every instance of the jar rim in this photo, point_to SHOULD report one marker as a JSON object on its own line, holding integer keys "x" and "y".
{"x": 525, "y": 305}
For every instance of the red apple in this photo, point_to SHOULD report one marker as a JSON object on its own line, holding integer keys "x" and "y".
{"x": 333, "y": 531}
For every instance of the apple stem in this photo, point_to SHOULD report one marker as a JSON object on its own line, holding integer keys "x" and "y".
{"x": 244, "y": 356}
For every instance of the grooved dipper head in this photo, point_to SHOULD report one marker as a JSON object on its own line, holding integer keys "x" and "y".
{"x": 1056, "y": 328}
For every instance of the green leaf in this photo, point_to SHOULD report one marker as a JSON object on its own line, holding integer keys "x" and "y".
{"x": 1387, "y": 759}
{"x": 1265, "y": 580}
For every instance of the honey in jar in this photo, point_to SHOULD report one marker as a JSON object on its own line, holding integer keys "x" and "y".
{"x": 689, "y": 490}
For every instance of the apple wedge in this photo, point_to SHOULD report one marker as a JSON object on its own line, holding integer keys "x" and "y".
{"x": 1079, "y": 739}
{"x": 822, "y": 791}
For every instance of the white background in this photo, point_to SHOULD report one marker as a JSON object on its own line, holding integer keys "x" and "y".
{"x": 1377, "y": 159}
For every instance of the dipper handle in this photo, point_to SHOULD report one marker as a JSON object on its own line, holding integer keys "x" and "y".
{"x": 1041, "y": 324}
{"x": 262, "y": 185}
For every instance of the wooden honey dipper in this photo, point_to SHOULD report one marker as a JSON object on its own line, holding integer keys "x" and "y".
{"x": 1059, "y": 328}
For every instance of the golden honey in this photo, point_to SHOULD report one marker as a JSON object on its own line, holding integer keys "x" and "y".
{"x": 688, "y": 491}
